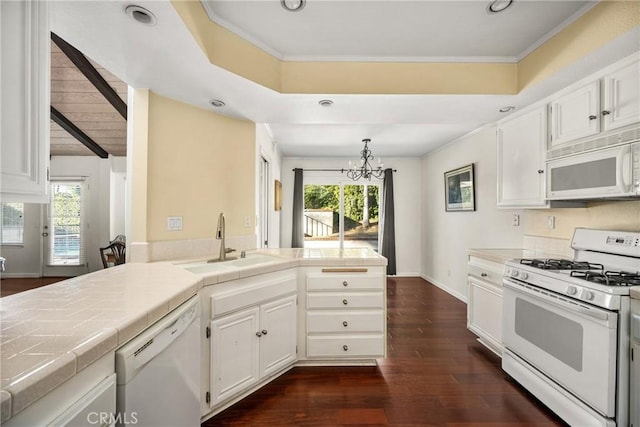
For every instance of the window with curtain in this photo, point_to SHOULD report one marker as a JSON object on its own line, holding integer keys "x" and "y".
{"x": 12, "y": 226}
{"x": 67, "y": 226}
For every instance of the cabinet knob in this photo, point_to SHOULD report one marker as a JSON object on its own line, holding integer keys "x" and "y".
{"x": 540, "y": 171}
{"x": 606, "y": 112}
{"x": 258, "y": 334}
{"x": 345, "y": 302}
{"x": 483, "y": 274}
{"x": 592, "y": 117}
{"x": 345, "y": 347}
{"x": 345, "y": 324}
{"x": 264, "y": 332}
{"x": 345, "y": 283}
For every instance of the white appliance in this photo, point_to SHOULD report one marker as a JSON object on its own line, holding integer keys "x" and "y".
{"x": 158, "y": 372}
{"x": 565, "y": 327}
{"x": 606, "y": 173}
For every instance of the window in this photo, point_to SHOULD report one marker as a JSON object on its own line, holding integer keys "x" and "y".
{"x": 12, "y": 227}
{"x": 339, "y": 215}
{"x": 66, "y": 222}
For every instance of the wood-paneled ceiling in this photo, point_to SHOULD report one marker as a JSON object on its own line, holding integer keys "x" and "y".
{"x": 75, "y": 97}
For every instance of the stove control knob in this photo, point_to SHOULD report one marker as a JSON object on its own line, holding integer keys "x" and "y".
{"x": 588, "y": 295}
{"x": 515, "y": 273}
{"x": 572, "y": 290}
{"x": 524, "y": 276}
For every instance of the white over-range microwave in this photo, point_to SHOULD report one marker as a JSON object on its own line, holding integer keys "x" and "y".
{"x": 606, "y": 173}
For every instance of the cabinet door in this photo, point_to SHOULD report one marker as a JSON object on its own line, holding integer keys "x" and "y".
{"x": 575, "y": 115}
{"x": 622, "y": 96}
{"x": 278, "y": 320}
{"x": 234, "y": 354}
{"x": 634, "y": 400}
{"x": 484, "y": 313}
{"x": 521, "y": 147}
{"x": 24, "y": 122}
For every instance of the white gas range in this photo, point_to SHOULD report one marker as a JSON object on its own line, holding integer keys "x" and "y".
{"x": 566, "y": 326}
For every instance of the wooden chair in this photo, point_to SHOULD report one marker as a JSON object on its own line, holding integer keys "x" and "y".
{"x": 114, "y": 253}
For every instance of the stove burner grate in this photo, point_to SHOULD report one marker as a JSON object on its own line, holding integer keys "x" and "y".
{"x": 560, "y": 264}
{"x": 609, "y": 278}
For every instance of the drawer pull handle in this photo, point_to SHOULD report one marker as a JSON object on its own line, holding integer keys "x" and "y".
{"x": 345, "y": 283}
{"x": 345, "y": 302}
{"x": 483, "y": 274}
{"x": 345, "y": 347}
{"x": 345, "y": 324}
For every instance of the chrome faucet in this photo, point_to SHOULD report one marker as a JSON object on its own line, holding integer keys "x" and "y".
{"x": 220, "y": 233}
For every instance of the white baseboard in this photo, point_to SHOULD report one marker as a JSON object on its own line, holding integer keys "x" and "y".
{"x": 445, "y": 288}
{"x": 406, "y": 275}
{"x": 20, "y": 275}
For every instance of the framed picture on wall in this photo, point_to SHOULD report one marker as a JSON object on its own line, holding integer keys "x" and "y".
{"x": 459, "y": 192}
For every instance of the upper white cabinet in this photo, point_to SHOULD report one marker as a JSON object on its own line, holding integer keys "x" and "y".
{"x": 521, "y": 147}
{"x": 575, "y": 115}
{"x": 622, "y": 96}
{"x": 24, "y": 93}
{"x": 610, "y": 102}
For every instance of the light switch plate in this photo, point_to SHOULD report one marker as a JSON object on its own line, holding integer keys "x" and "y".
{"x": 515, "y": 221}
{"x": 174, "y": 223}
{"x": 551, "y": 222}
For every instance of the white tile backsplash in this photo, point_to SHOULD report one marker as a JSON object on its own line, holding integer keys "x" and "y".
{"x": 197, "y": 248}
{"x": 548, "y": 245}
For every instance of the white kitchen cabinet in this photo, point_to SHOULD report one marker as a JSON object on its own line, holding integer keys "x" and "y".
{"x": 521, "y": 145}
{"x": 575, "y": 115}
{"x": 484, "y": 306}
{"x": 345, "y": 314}
{"x": 24, "y": 119}
{"x": 609, "y": 102}
{"x": 621, "y": 101}
{"x": 252, "y": 333}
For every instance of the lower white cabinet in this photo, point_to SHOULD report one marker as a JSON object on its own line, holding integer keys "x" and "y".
{"x": 634, "y": 380}
{"x": 345, "y": 313}
{"x": 484, "y": 306}
{"x": 252, "y": 333}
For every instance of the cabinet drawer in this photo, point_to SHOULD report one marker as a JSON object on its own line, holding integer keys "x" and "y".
{"x": 489, "y": 272}
{"x": 330, "y": 321}
{"x": 345, "y": 346}
{"x": 344, "y": 300}
{"x": 334, "y": 282}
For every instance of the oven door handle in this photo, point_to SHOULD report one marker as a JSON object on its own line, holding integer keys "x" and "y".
{"x": 604, "y": 317}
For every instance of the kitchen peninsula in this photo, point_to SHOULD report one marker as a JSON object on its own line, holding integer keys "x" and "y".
{"x": 58, "y": 341}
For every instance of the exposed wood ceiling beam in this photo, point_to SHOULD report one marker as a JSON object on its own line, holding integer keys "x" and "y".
{"x": 91, "y": 74}
{"x": 67, "y": 125}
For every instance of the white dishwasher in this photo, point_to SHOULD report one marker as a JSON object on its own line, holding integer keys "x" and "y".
{"x": 158, "y": 372}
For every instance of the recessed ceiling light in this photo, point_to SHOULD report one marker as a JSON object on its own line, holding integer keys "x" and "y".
{"x": 507, "y": 109}
{"x": 140, "y": 14}
{"x": 326, "y": 102}
{"x": 293, "y": 5}
{"x": 498, "y": 5}
{"x": 217, "y": 103}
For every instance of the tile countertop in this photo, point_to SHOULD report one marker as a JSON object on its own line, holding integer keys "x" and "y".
{"x": 49, "y": 334}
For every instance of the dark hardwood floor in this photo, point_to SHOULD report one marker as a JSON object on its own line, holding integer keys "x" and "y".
{"x": 435, "y": 374}
{"x": 10, "y": 286}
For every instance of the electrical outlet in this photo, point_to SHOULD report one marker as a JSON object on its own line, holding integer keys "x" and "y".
{"x": 551, "y": 222}
{"x": 174, "y": 223}
{"x": 247, "y": 221}
{"x": 515, "y": 221}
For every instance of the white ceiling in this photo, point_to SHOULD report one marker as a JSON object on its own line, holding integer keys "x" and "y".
{"x": 166, "y": 59}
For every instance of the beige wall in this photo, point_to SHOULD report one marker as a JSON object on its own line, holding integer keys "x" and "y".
{"x": 199, "y": 164}
{"x": 617, "y": 215}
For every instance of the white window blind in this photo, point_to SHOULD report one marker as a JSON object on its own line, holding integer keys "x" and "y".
{"x": 12, "y": 226}
{"x": 67, "y": 225}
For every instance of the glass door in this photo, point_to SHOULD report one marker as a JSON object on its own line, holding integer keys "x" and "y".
{"x": 65, "y": 228}
{"x": 341, "y": 215}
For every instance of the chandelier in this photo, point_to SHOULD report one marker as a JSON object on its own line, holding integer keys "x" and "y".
{"x": 365, "y": 169}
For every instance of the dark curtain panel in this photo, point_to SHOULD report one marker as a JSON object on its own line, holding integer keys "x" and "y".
{"x": 387, "y": 220}
{"x": 297, "y": 231}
